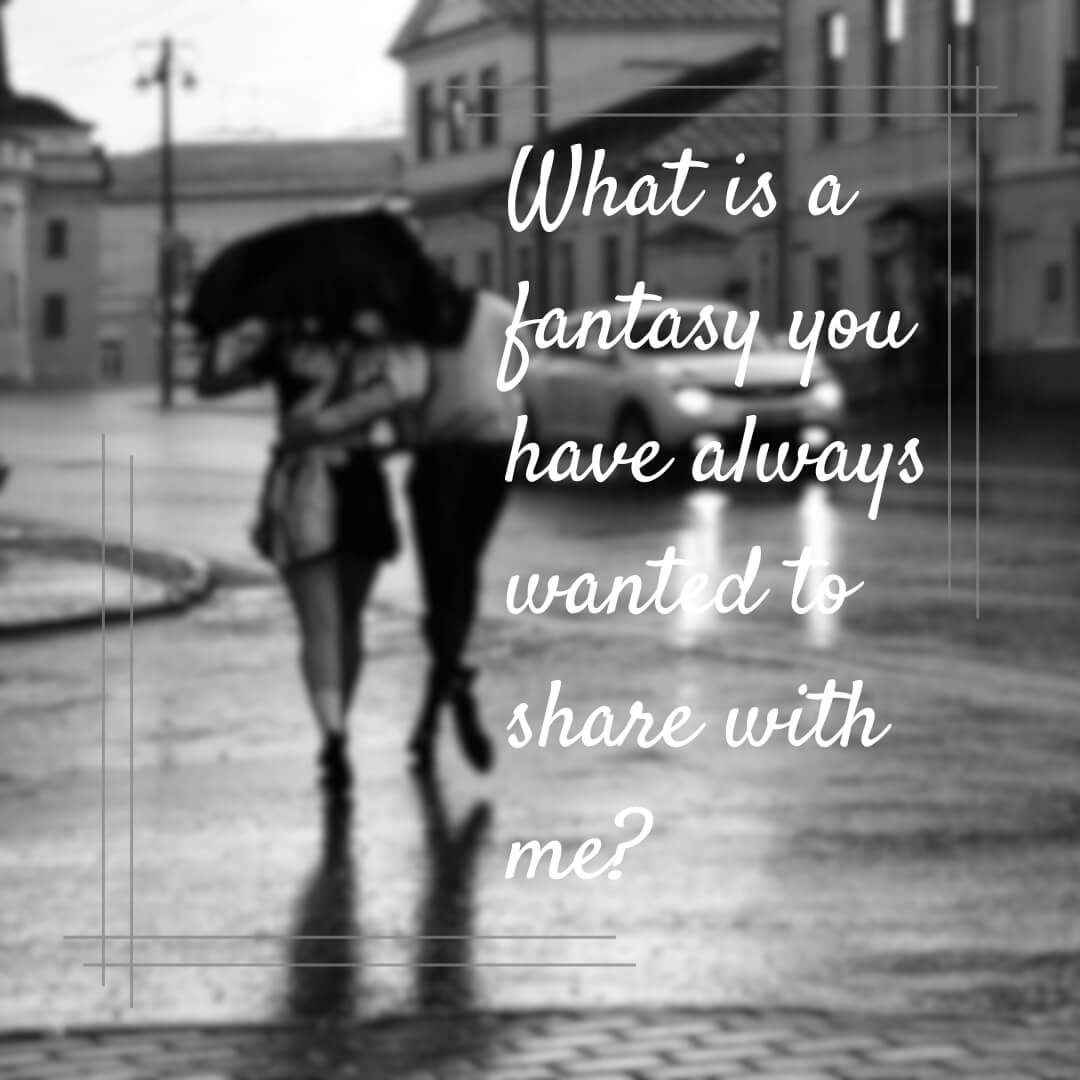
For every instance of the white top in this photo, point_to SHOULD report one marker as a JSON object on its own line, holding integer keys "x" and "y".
{"x": 444, "y": 395}
{"x": 464, "y": 403}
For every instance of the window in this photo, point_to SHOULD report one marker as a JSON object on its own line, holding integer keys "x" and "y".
{"x": 889, "y": 18}
{"x": 54, "y": 317}
{"x": 489, "y": 106}
{"x": 1019, "y": 313}
{"x": 568, "y": 274}
{"x": 425, "y": 120}
{"x": 525, "y": 263}
{"x": 457, "y": 113}
{"x": 56, "y": 239}
{"x": 112, "y": 359}
{"x": 828, "y": 285}
{"x": 883, "y": 283}
{"x": 611, "y": 257}
{"x": 485, "y": 270}
{"x": 765, "y": 281}
{"x": 832, "y": 50}
{"x": 1076, "y": 278}
{"x": 1053, "y": 283}
{"x": 959, "y": 37}
{"x": 737, "y": 290}
{"x": 9, "y": 301}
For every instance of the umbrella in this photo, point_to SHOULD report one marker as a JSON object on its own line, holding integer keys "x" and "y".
{"x": 328, "y": 269}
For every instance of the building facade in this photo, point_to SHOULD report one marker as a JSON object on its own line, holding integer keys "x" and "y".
{"x": 16, "y": 169}
{"x": 223, "y": 191}
{"x": 471, "y": 105}
{"x": 52, "y": 180}
{"x": 880, "y": 121}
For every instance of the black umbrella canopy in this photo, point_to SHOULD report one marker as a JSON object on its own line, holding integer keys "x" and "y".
{"x": 326, "y": 270}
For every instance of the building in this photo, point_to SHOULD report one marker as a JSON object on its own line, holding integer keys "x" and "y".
{"x": 728, "y": 109}
{"x": 16, "y": 170}
{"x": 880, "y": 121}
{"x": 471, "y": 105}
{"x": 223, "y": 191}
{"x": 52, "y": 180}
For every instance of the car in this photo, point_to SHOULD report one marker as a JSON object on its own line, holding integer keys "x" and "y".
{"x": 680, "y": 398}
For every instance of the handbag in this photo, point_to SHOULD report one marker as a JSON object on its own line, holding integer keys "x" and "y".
{"x": 297, "y": 510}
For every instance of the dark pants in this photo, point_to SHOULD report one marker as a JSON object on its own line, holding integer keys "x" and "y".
{"x": 457, "y": 493}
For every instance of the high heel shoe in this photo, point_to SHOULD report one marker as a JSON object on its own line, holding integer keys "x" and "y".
{"x": 421, "y": 747}
{"x": 475, "y": 743}
{"x": 334, "y": 763}
{"x": 421, "y": 750}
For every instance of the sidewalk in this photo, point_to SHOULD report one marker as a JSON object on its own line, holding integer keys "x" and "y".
{"x": 54, "y": 579}
{"x": 617, "y": 1045}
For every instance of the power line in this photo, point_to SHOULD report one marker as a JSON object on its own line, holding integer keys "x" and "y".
{"x": 117, "y": 39}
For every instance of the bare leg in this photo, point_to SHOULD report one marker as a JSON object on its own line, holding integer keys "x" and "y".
{"x": 357, "y": 576}
{"x": 315, "y": 592}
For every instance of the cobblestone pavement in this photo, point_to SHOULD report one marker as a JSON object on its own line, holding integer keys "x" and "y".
{"x": 620, "y": 1045}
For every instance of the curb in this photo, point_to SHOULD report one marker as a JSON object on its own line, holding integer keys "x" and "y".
{"x": 188, "y": 578}
{"x": 1019, "y": 1020}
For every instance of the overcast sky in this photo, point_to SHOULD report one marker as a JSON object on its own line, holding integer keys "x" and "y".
{"x": 281, "y": 67}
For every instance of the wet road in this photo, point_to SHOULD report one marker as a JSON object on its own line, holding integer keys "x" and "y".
{"x": 935, "y": 872}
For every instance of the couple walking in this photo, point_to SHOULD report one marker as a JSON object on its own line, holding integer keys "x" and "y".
{"x": 325, "y": 516}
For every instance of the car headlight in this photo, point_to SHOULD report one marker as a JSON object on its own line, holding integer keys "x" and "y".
{"x": 693, "y": 401}
{"x": 828, "y": 395}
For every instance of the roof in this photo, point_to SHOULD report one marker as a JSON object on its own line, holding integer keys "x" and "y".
{"x": 595, "y": 13}
{"x": 224, "y": 170}
{"x": 649, "y": 12}
{"x": 720, "y": 109}
{"x": 744, "y": 121}
{"x": 30, "y": 111}
{"x": 21, "y": 111}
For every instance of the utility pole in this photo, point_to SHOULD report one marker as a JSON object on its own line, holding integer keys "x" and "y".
{"x": 542, "y": 284}
{"x": 163, "y": 77}
{"x": 166, "y": 262}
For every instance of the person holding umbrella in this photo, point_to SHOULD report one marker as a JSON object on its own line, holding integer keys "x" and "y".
{"x": 316, "y": 276}
{"x": 461, "y": 428}
{"x": 309, "y": 307}
{"x": 325, "y": 517}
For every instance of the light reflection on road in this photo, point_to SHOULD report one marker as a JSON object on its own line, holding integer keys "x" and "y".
{"x": 817, "y": 519}
{"x": 700, "y": 541}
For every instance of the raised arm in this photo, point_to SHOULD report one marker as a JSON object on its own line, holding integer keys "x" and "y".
{"x": 403, "y": 380}
{"x": 228, "y": 364}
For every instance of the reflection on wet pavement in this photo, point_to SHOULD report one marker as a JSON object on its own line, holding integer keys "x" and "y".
{"x": 444, "y": 979}
{"x": 328, "y": 956}
{"x": 325, "y": 953}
